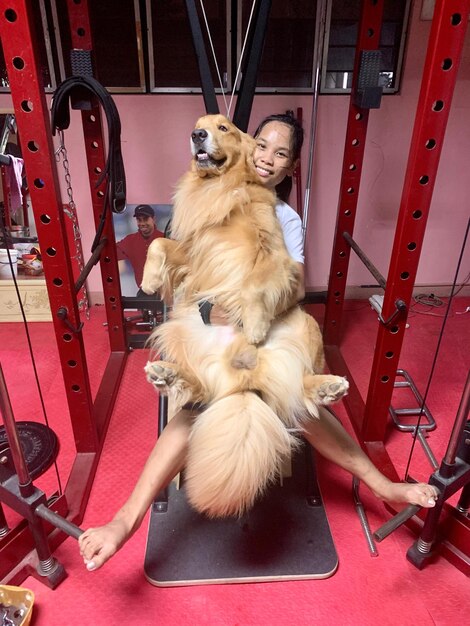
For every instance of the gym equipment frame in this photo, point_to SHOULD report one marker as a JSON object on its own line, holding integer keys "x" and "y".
{"x": 89, "y": 418}
{"x": 439, "y": 77}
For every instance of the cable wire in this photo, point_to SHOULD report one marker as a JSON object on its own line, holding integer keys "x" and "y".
{"x": 436, "y": 353}
{"x": 30, "y": 346}
{"x": 241, "y": 58}
{"x": 214, "y": 55}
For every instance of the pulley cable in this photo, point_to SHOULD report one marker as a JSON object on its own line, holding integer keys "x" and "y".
{"x": 30, "y": 347}
{"x": 229, "y": 106}
{"x": 214, "y": 55}
{"x": 436, "y": 353}
{"x": 241, "y": 58}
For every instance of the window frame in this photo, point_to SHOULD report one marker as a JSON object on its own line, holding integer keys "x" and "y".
{"x": 140, "y": 57}
{"x": 347, "y": 90}
{"x": 54, "y": 51}
{"x": 142, "y": 87}
{"x": 317, "y": 46}
{"x": 226, "y": 75}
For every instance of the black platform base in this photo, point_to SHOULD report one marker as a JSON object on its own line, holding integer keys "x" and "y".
{"x": 284, "y": 537}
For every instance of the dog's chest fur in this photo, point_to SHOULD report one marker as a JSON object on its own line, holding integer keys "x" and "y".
{"x": 223, "y": 230}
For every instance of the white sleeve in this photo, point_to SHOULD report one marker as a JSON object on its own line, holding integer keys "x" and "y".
{"x": 291, "y": 225}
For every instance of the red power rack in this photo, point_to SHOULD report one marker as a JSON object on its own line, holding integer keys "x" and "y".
{"x": 89, "y": 418}
{"x": 439, "y": 77}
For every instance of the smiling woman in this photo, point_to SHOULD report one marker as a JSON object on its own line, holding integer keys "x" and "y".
{"x": 279, "y": 140}
{"x": 272, "y": 155}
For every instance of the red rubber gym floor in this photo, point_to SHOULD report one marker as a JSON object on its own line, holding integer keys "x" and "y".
{"x": 364, "y": 591}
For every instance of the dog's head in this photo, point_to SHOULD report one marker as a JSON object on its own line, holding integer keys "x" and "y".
{"x": 217, "y": 145}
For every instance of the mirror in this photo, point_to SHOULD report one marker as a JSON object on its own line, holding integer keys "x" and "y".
{"x": 17, "y": 228}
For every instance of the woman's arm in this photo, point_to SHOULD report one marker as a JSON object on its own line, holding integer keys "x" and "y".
{"x": 301, "y": 286}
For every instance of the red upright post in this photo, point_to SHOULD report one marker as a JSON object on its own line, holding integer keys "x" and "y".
{"x": 440, "y": 74}
{"x": 89, "y": 419}
{"x": 443, "y": 57}
{"x": 368, "y": 39}
{"x": 32, "y": 116}
{"x": 80, "y": 31}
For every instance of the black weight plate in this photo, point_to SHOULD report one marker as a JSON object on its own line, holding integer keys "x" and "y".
{"x": 39, "y": 444}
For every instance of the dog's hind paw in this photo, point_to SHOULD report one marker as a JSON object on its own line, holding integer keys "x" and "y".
{"x": 332, "y": 389}
{"x": 160, "y": 374}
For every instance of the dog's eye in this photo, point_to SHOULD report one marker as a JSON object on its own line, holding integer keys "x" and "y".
{"x": 223, "y": 128}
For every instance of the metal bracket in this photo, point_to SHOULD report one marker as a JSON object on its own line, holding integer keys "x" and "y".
{"x": 62, "y": 314}
{"x": 400, "y": 307}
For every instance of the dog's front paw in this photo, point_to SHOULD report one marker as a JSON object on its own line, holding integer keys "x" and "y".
{"x": 255, "y": 334}
{"x": 154, "y": 271}
{"x": 151, "y": 282}
{"x": 332, "y": 390}
{"x": 150, "y": 286}
{"x": 255, "y": 327}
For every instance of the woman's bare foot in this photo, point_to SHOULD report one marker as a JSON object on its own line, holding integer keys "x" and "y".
{"x": 421, "y": 494}
{"x": 97, "y": 545}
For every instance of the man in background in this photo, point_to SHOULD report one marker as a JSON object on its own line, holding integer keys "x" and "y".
{"x": 134, "y": 247}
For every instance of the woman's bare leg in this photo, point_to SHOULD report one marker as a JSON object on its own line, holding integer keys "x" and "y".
{"x": 331, "y": 440}
{"x": 167, "y": 458}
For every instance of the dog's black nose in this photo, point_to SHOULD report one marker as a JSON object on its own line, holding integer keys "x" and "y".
{"x": 198, "y": 135}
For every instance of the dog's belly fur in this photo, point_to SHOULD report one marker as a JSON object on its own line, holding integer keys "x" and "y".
{"x": 223, "y": 362}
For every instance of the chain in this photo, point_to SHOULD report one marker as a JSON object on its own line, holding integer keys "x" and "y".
{"x": 71, "y": 212}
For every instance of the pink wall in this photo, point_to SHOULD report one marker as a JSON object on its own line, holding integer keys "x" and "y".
{"x": 155, "y": 146}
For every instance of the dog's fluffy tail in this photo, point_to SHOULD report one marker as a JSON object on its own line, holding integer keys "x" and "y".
{"x": 237, "y": 447}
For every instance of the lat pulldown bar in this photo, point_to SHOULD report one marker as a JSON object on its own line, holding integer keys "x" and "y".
{"x": 254, "y": 49}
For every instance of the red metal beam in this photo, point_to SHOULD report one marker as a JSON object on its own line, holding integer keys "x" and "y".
{"x": 81, "y": 39}
{"x": 358, "y": 118}
{"x": 453, "y": 525}
{"x": 89, "y": 420}
{"x": 443, "y": 57}
{"x": 440, "y": 74}
{"x": 32, "y": 116}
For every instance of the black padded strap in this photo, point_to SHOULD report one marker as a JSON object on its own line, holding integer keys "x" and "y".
{"x": 60, "y": 119}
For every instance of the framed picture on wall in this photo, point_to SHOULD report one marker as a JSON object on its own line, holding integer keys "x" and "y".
{"x": 126, "y": 226}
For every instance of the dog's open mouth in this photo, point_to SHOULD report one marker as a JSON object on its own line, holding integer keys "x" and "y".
{"x": 204, "y": 159}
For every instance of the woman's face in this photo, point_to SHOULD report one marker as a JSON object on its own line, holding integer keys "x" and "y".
{"x": 273, "y": 154}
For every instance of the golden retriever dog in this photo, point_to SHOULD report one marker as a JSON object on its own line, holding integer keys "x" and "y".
{"x": 259, "y": 377}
